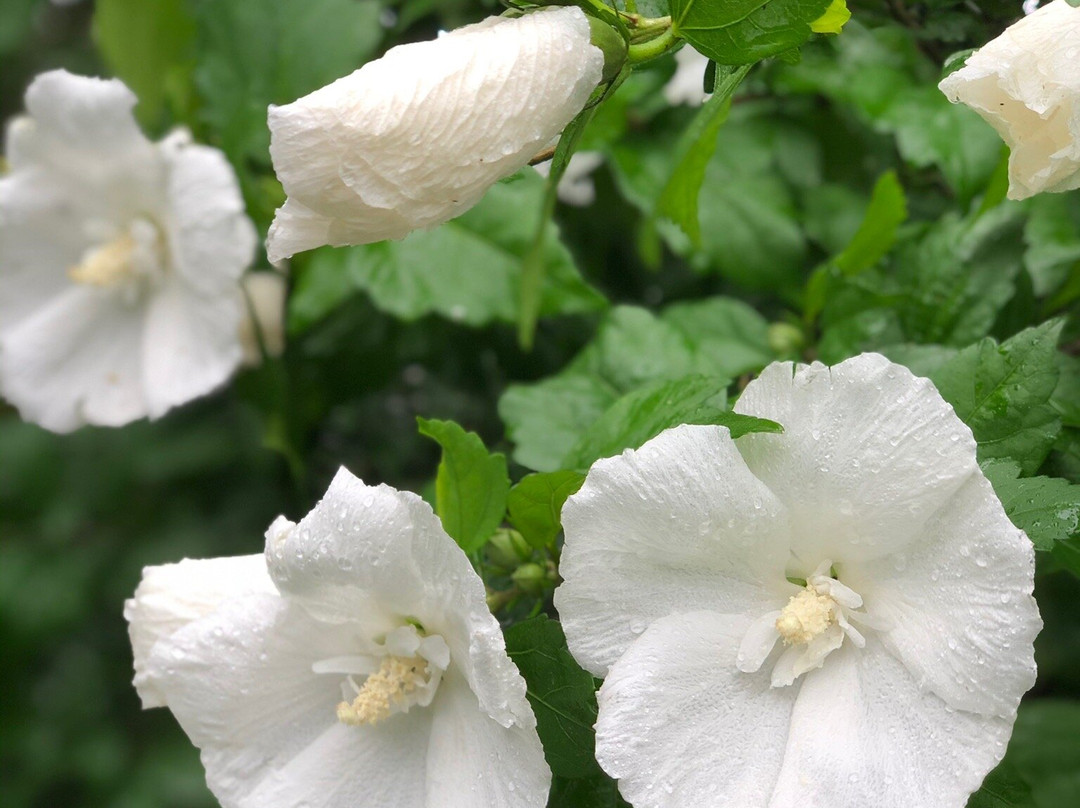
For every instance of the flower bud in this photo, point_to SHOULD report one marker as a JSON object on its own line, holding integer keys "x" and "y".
{"x": 532, "y": 579}
{"x": 1026, "y": 84}
{"x": 613, "y": 45}
{"x": 507, "y": 549}
{"x": 786, "y": 339}
{"x": 417, "y": 137}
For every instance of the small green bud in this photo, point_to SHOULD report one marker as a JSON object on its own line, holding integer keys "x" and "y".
{"x": 508, "y": 548}
{"x": 786, "y": 339}
{"x": 613, "y": 45}
{"x": 532, "y": 579}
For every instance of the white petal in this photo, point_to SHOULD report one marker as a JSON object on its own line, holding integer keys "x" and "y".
{"x": 416, "y": 137}
{"x": 761, "y": 637}
{"x": 959, "y": 604}
{"x": 76, "y": 361}
{"x": 191, "y": 343}
{"x": 869, "y": 452}
{"x": 1026, "y": 85}
{"x": 264, "y": 318}
{"x": 241, "y": 684}
{"x": 211, "y": 239}
{"x": 379, "y": 557}
{"x": 171, "y": 596}
{"x": 862, "y": 734}
{"x": 679, "y": 524}
{"x": 475, "y": 761}
{"x": 680, "y": 725}
{"x": 687, "y": 86}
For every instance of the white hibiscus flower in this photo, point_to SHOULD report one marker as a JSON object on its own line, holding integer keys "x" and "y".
{"x": 1026, "y": 84}
{"x": 119, "y": 261}
{"x": 887, "y": 675}
{"x": 415, "y": 138}
{"x": 687, "y": 85}
{"x": 355, "y": 664}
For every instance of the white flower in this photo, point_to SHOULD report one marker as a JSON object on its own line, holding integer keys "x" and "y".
{"x": 415, "y": 138}
{"x": 576, "y": 186}
{"x": 355, "y": 664}
{"x": 119, "y": 261}
{"x": 1026, "y": 84}
{"x": 889, "y": 679}
{"x": 687, "y": 86}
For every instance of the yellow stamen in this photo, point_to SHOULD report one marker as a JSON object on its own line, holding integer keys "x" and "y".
{"x": 106, "y": 265}
{"x": 390, "y": 685}
{"x": 805, "y": 617}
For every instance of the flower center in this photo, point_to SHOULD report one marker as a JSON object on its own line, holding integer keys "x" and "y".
{"x": 131, "y": 258}
{"x": 401, "y": 672}
{"x": 390, "y": 686}
{"x": 812, "y": 625}
{"x": 806, "y": 616}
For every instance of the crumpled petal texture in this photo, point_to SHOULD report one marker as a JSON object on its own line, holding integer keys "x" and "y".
{"x": 693, "y": 536}
{"x": 139, "y": 342}
{"x": 415, "y": 138}
{"x": 1026, "y": 84}
{"x": 244, "y": 652}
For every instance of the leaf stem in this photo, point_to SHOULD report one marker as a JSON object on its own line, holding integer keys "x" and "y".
{"x": 650, "y": 49}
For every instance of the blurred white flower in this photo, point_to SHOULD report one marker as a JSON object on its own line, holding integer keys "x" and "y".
{"x": 687, "y": 86}
{"x": 415, "y": 138}
{"x": 120, "y": 261}
{"x": 888, "y": 675}
{"x": 1026, "y": 84}
{"x": 576, "y": 186}
{"x": 355, "y": 664}
{"x": 265, "y": 316}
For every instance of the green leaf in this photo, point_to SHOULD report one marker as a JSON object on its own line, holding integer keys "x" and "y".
{"x": 679, "y": 198}
{"x": 260, "y": 52}
{"x": 535, "y": 503}
{"x": 1003, "y": 393}
{"x": 562, "y": 695}
{"x": 597, "y": 791}
{"x": 1045, "y": 749}
{"x": 643, "y": 414}
{"x": 834, "y": 19}
{"x": 877, "y": 233}
{"x": 1046, "y": 508}
{"x": 468, "y": 270}
{"x": 471, "y": 485}
{"x": 734, "y": 32}
{"x": 149, "y": 45}
{"x": 731, "y": 337}
{"x": 1002, "y": 788}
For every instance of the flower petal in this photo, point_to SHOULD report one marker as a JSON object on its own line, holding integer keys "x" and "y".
{"x": 172, "y": 595}
{"x": 958, "y": 604}
{"x": 868, "y": 454}
{"x": 473, "y": 760}
{"x": 378, "y": 557}
{"x": 240, "y": 682}
{"x": 191, "y": 343}
{"x": 680, "y": 725}
{"x": 76, "y": 361}
{"x": 212, "y": 241}
{"x": 680, "y": 523}
{"x": 416, "y": 137}
{"x": 862, "y": 733}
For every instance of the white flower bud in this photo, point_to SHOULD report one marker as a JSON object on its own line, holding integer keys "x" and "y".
{"x": 1026, "y": 84}
{"x": 415, "y": 138}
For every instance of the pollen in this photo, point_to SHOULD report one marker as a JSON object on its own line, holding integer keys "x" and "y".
{"x": 390, "y": 686}
{"x": 106, "y": 265}
{"x": 805, "y": 617}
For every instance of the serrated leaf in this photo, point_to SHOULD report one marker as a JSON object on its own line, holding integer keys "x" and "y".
{"x": 1002, "y": 788}
{"x": 1046, "y": 508}
{"x": 562, "y": 695}
{"x": 149, "y": 45}
{"x": 730, "y": 335}
{"x": 471, "y": 485}
{"x": 736, "y": 32}
{"x": 1003, "y": 393}
{"x": 644, "y": 413}
{"x": 468, "y": 270}
{"x": 535, "y": 504}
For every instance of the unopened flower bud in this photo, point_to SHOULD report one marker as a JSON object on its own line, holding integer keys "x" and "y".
{"x": 532, "y": 579}
{"x": 507, "y": 549}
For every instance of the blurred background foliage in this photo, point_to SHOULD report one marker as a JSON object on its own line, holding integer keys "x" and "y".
{"x": 383, "y": 333}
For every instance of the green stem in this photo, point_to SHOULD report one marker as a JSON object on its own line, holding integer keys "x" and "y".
{"x": 646, "y": 51}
